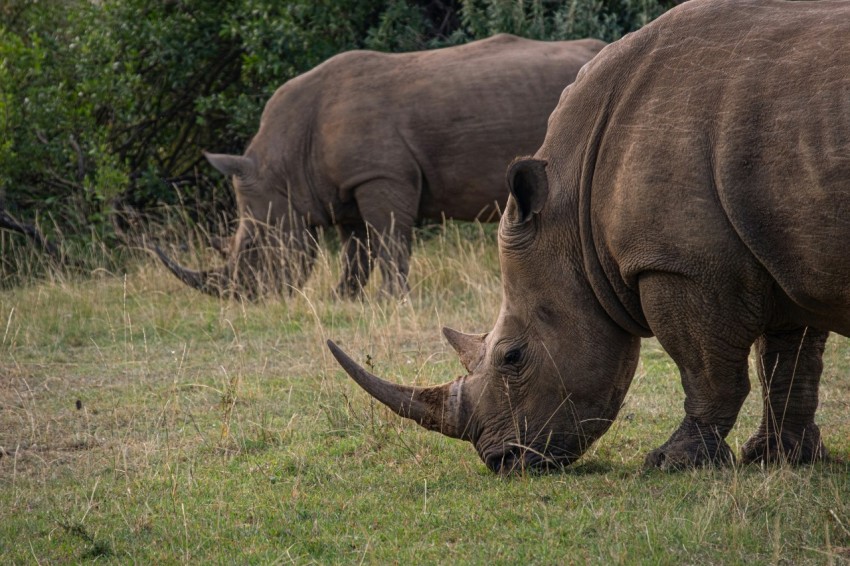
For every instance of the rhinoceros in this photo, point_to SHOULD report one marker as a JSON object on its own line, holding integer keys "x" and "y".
{"x": 372, "y": 142}
{"x": 694, "y": 185}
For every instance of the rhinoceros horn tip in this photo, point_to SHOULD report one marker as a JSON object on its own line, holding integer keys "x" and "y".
{"x": 195, "y": 279}
{"x": 335, "y": 350}
{"x": 344, "y": 360}
{"x": 162, "y": 256}
{"x": 351, "y": 367}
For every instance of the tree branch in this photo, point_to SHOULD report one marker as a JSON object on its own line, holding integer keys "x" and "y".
{"x": 9, "y": 223}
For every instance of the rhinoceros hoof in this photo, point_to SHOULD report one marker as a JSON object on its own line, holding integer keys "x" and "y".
{"x": 691, "y": 446}
{"x": 785, "y": 447}
{"x": 681, "y": 456}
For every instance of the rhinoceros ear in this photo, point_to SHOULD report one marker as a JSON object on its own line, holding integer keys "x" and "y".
{"x": 469, "y": 347}
{"x": 232, "y": 165}
{"x": 528, "y": 185}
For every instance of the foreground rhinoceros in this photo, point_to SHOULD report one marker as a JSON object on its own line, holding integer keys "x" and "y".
{"x": 371, "y": 142}
{"x": 694, "y": 184}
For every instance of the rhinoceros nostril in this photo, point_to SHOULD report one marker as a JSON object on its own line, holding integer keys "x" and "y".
{"x": 494, "y": 462}
{"x": 504, "y": 463}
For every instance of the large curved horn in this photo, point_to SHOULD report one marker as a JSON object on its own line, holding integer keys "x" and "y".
{"x": 438, "y": 408}
{"x": 210, "y": 282}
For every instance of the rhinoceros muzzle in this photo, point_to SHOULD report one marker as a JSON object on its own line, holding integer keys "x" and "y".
{"x": 519, "y": 459}
{"x": 444, "y": 409}
{"x": 513, "y": 460}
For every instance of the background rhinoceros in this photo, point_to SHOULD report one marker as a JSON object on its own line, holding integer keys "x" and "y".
{"x": 371, "y": 142}
{"x": 694, "y": 184}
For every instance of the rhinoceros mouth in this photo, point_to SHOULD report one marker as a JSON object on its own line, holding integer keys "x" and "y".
{"x": 518, "y": 459}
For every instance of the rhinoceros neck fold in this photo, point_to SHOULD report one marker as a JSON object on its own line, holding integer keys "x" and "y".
{"x": 621, "y": 303}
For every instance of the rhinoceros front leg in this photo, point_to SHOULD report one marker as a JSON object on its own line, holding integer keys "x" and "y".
{"x": 708, "y": 331}
{"x": 356, "y": 260}
{"x": 789, "y": 369}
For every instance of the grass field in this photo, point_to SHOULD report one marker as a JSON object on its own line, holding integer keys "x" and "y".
{"x": 141, "y": 421}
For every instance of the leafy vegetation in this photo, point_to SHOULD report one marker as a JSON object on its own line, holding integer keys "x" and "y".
{"x": 107, "y": 105}
{"x": 141, "y": 421}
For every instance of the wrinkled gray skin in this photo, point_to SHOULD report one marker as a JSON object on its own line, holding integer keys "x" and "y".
{"x": 694, "y": 184}
{"x": 371, "y": 143}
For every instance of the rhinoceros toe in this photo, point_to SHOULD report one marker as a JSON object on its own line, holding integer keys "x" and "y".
{"x": 691, "y": 446}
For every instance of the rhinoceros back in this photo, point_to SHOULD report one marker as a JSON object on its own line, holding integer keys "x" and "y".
{"x": 738, "y": 113}
{"x": 782, "y": 150}
{"x": 450, "y": 118}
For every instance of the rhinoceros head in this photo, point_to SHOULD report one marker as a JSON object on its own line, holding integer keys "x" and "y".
{"x": 272, "y": 250}
{"x": 552, "y": 374}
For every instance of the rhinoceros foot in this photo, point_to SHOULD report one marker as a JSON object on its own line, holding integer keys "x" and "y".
{"x": 693, "y": 445}
{"x": 785, "y": 446}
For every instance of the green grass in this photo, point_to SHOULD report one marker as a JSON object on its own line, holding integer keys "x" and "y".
{"x": 143, "y": 422}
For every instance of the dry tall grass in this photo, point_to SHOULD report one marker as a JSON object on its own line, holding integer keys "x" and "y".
{"x": 141, "y": 420}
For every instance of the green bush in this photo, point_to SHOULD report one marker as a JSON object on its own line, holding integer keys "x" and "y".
{"x": 112, "y": 101}
{"x": 553, "y": 20}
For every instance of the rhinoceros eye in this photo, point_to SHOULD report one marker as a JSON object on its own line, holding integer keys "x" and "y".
{"x": 513, "y": 356}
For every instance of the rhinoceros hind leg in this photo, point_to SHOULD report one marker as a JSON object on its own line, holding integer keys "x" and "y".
{"x": 394, "y": 261}
{"x": 356, "y": 261}
{"x": 789, "y": 369}
{"x": 802, "y": 448}
{"x": 388, "y": 209}
{"x": 693, "y": 445}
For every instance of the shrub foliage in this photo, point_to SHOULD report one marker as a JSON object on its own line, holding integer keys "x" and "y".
{"x": 111, "y": 102}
